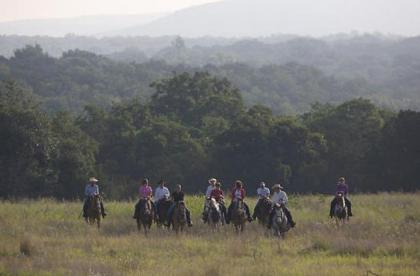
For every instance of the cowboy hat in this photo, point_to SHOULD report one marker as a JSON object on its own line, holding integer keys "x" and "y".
{"x": 93, "y": 179}
{"x": 277, "y": 186}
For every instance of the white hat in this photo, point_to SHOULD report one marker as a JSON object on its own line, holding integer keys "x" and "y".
{"x": 93, "y": 179}
{"x": 277, "y": 186}
{"x": 211, "y": 180}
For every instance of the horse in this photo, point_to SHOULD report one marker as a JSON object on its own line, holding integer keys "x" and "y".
{"x": 164, "y": 205}
{"x": 280, "y": 223}
{"x": 340, "y": 210}
{"x": 94, "y": 210}
{"x": 238, "y": 216}
{"x": 214, "y": 214}
{"x": 179, "y": 219}
{"x": 145, "y": 215}
{"x": 263, "y": 212}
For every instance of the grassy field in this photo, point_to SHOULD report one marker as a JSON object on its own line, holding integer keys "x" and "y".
{"x": 47, "y": 237}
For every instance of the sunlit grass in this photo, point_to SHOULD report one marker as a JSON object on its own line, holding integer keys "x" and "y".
{"x": 48, "y": 237}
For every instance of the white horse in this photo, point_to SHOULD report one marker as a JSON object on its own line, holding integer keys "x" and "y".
{"x": 214, "y": 214}
{"x": 280, "y": 223}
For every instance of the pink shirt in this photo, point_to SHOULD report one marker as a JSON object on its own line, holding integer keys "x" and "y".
{"x": 145, "y": 191}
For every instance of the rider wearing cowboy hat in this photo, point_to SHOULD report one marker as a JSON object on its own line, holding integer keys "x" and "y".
{"x": 210, "y": 188}
{"x": 92, "y": 189}
{"x": 280, "y": 197}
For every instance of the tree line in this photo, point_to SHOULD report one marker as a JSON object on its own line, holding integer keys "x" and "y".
{"x": 196, "y": 126}
{"x": 287, "y": 87}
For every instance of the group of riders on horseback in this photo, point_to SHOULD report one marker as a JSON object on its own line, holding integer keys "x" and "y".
{"x": 162, "y": 208}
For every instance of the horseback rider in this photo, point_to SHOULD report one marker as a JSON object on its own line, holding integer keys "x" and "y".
{"x": 161, "y": 193}
{"x": 218, "y": 195}
{"x": 341, "y": 188}
{"x": 280, "y": 197}
{"x": 210, "y": 188}
{"x": 145, "y": 193}
{"x": 238, "y": 193}
{"x": 178, "y": 196}
{"x": 91, "y": 190}
{"x": 263, "y": 193}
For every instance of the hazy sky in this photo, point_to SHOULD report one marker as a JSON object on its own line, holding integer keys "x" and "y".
{"x": 30, "y": 9}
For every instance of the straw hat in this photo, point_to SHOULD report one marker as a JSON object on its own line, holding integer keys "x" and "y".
{"x": 93, "y": 179}
{"x": 277, "y": 186}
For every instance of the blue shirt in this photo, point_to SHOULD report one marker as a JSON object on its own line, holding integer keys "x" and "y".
{"x": 263, "y": 192}
{"x": 91, "y": 190}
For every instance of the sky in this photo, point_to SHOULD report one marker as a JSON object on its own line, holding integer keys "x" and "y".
{"x": 34, "y": 9}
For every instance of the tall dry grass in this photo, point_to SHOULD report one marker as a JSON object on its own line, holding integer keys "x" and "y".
{"x": 46, "y": 237}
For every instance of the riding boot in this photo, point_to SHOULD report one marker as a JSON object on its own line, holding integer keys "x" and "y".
{"x": 289, "y": 216}
{"x": 270, "y": 219}
{"x": 85, "y": 207}
{"x": 333, "y": 203}
{"x": 188, "y": 215}
{"x": 228, "y": 213}
{"x": 224, "y": 213}
{"x": 136, "y": 210}
{"x": 248, "y": 214}
{"x": 348, "y": 204}
{"x": 254, "y": 215}
{"x": 103, "y": 210}
{"x": 156, "y": 208}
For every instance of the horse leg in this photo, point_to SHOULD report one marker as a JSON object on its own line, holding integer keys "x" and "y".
{"x": 138, "y": 224}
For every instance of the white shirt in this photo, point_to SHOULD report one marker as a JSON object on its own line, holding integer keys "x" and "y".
{"x": 210, "y": 188}
{"x": 263, "y": 192}
{"x": 279, "y": 197}
{"x": 161, "y": 193}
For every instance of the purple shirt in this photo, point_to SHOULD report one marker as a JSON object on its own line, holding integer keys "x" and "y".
{"x": 342, "y": 188}
{"x": 145, "y": 191}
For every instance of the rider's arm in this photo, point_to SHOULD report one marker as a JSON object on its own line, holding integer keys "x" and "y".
{"x": 96, "y": 190}
{"x": 87, "y": 190}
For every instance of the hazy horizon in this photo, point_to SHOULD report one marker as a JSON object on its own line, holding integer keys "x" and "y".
{"x": 22, "y": 10}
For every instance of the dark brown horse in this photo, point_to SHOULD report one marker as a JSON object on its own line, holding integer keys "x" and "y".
{"x": 179, "y": 219}
{"x": 94, "y": 210}
{"x": 145, "y": 215}
{"x": 238, "y": 215}
{"x": 164, "y": 205}
{"x": 263, "y": 212}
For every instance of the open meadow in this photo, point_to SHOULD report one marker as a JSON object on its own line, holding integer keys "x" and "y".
{"x": 48, "y": 237}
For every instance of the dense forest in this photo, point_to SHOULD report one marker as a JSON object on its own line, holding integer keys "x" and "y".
{"x": 191, "y": 127}
{"x": 302, "y": 72}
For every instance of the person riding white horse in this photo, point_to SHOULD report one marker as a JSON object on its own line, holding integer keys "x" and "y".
{"x": 280, "y": 197}
{"x": 210, "y": 188}
{"x": 217, "y": 194}
{"x": 343, "y": 189}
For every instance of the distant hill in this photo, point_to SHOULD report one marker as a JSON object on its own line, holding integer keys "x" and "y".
{"x": 256, "y": 18}
{"x": 84, "y": 25}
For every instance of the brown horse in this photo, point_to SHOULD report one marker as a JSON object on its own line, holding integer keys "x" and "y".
{"x": 94, "y": 210}
{"x": 263, "y": 212}
{"x": 179, "y": 219}
{"x": 340, "y": 211}
{"x": 145, "y": 215}
{"x": 164, "y": 205}
{"x": 238, "y": 216}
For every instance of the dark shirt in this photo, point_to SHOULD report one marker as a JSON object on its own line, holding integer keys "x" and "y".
{"x": 178, "y": 196}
